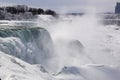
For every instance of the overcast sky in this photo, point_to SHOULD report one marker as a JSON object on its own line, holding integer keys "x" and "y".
{"x": 69, "y": 5}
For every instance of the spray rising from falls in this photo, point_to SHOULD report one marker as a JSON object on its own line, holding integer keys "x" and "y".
{"x": 81, "y": 40}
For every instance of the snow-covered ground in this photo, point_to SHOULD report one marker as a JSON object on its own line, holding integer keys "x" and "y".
{"x": 12, "y": 68}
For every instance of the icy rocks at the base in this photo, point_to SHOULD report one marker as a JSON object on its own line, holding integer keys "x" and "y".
{"x": 73, "y": 52}
{"x": 75, "y": 45}
{"x": 12, "y": 68}
{"x": 89, "y": 72}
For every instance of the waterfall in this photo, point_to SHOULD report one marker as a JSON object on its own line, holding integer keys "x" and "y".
{"x": 33, "y": 45}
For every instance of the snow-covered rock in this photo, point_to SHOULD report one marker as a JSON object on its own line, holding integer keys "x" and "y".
{"x": 12, "y": 68}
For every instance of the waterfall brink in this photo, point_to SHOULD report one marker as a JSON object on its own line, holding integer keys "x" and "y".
{"x": 33, "y": 45}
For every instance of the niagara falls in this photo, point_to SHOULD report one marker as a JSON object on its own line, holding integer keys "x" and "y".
{"x": 59, "y": 40}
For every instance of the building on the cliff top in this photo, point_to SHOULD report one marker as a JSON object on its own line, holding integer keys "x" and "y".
{"x": 117, "y": 8}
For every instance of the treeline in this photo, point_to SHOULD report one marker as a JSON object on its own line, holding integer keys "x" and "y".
{"x": 23, "y": 12}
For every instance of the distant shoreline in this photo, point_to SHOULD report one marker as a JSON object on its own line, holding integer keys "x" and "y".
{"x": 20, "y": 12}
